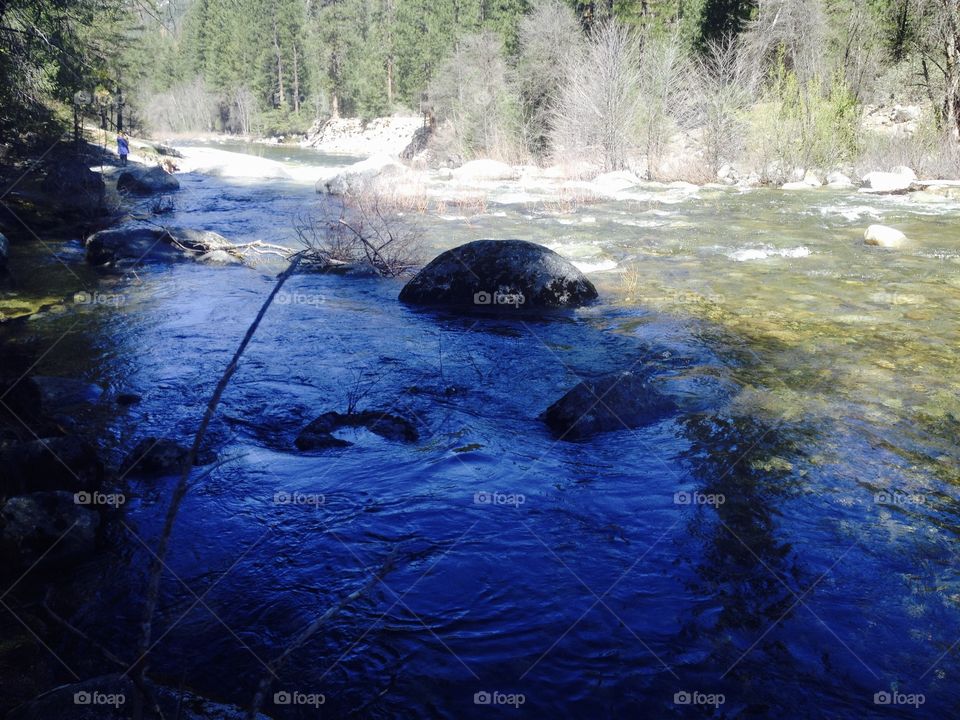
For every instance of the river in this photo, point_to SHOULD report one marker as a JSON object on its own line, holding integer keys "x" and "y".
{"x": 786, "y": 545}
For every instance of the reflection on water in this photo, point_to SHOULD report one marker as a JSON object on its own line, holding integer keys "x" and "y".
{"x": 788, "y": 540}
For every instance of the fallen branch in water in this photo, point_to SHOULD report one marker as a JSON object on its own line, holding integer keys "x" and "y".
{"x": 180, "y": 491}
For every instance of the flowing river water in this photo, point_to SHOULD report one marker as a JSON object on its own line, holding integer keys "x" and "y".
{"x": 820, "y": 387}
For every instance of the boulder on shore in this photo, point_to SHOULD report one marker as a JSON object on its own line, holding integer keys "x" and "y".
{"x": 47, "y": 525}
{"x": 361, "y": 176}
{"x": 73, "y": 187}
{"x": 838, "y": 181}
{"x": 149, "y": 181}
{"x": 883, "y": 236}
{"x": 318, "y": 435}
{"x": 55, "y": 463}
{"x": 141, "y": 243}
{"x": 484, "y": 170}
{"x": 617, "y": 402}
{"x": 895, "y": 182}
{"x": 500, "y": 275}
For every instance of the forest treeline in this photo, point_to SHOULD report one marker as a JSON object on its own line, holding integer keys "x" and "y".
{"x": 505, "y": 78}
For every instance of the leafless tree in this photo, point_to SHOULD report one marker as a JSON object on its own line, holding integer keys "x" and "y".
{"x": 795, "y": 28}
{"x": 666, "y": 103}
{"x": 548, "y": 35}
{"x": 725, "y": 83}
{"x": 599, "y": 104}
{"x": 939, "y": 46}
{"x": 472, "y": 94}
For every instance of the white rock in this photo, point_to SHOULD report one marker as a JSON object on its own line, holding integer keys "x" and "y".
{"x": 883, "y": 236}
{"x": 904, "y": 171}
{"x": 799, "y": 185}
{"x": 479, "y": 170}
{"x": 838, "y": 181}
{"x": 886, "y": 182}
{"x": 616, "y": 181}
{"x": 906, "y": 113}
{"x": 361, "y": 175}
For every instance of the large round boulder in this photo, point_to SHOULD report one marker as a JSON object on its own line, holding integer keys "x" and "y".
{"x": 147, "y": 182}
{"x": 500, "y": 275}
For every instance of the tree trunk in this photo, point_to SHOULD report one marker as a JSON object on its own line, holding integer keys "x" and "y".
{"x": 276, "y": 46}
{"x": 296, "y": 81}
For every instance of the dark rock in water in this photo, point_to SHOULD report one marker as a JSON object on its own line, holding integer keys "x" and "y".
{"x": 141, "y": 243}
{"x": 319, "y": 435}
{"x": 30, "y": 525}
{"x": 57, "y": 463}
{"x": 128, "y": 399}
{"x": 155, "y": 457}
{"x": 167, "y": 150}
{"x": 617, "y": 402}
{"x": 500, "y": 275}
{"x": 4, "y": 251}
{"x": 59, "y": 394}
{"x": 73, "y": 187}
{"x": 111, "y": 697}
{"x": 147, "y": 182}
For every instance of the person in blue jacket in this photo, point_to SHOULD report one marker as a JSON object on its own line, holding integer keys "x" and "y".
{"x": 123, "y": 147}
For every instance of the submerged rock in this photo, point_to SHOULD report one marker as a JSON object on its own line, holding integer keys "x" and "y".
{"x": 319, "y": 435}
{"x": 500, "y": 274}
{"x": 617, "y": 402}
{"x": 111, "y": 697}
{"x": 141, "y": 243}
{"x": 57, "y": 463}
{"x": 60, "y": 394}
{"x": 147, "y": 181}
{"x": 4, "y": 251}
{"x": 883, "y": 236}
{"x": 47, "y": 525}
{"x": 156, "y": 457}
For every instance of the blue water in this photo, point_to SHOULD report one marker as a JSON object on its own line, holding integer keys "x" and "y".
{"x": 590, "y": 591}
